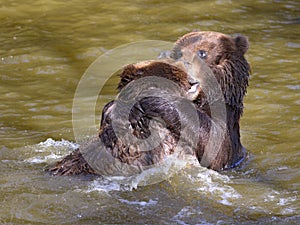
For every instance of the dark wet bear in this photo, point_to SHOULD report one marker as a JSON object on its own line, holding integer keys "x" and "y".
{"x": 137, "y": 121}
{"x": 224, "y": 56}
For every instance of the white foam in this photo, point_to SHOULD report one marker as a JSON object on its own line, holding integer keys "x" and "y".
{"x": 42, "y": 159}
{"x": 51, "y": 150}
{"x": 214, "y": 184}
{"x": 101, "y": 185}
{"x": 286, "y": 202}
{"x": 52, "y": 143}
{"x": 189, "y": 212}
{"x": 150, "y": 176}
{"x": 159, "y": 172}
{"x": 140, "y": 203}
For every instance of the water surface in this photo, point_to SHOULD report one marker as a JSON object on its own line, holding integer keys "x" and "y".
{"x": 46, "y": 46}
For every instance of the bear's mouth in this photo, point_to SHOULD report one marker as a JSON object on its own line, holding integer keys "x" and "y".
{"x": 194, "y": 90}
{"x": 194, "y": 87}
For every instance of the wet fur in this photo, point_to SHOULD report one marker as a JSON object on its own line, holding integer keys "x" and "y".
{"x": 149, "y": 112}
{"x": 226, "y": 60}
{"x": 225, "y": 57}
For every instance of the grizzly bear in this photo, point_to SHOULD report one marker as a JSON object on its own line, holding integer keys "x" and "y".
{"x": 224, "y": 55}
{"x": 198, "y": 110}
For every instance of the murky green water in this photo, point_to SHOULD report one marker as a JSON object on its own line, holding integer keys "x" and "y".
{"x": 45, "y": 48}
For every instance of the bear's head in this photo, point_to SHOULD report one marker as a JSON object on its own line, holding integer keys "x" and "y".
{"x": 224, "y": 55}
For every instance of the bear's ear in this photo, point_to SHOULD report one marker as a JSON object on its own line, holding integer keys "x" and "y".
{"x": 241, "y": 43}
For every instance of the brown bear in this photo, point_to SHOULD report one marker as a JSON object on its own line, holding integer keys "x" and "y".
{"x": 146, "y": 110}
{"x": 225, "y": 57}
{"x": 122, "y": 116}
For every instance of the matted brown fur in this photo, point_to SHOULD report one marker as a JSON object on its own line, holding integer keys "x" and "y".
{"x": 72, "y": 164}
{"x": 165, "y": 68}
{"x": 225, "y": 57}
{"x": 144, "y": 110}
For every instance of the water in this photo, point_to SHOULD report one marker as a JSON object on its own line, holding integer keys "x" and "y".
{"x": 46, "y": 46}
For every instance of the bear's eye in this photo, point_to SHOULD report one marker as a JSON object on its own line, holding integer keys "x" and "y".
{"x": 202, "y": 54}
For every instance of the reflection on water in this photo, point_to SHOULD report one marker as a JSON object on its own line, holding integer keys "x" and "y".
{"x": 45, "y": 48}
